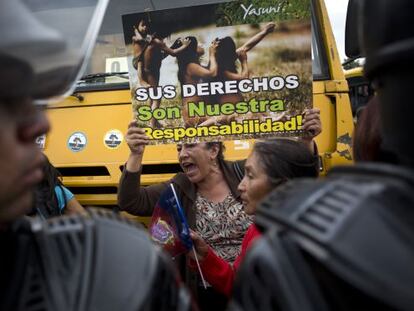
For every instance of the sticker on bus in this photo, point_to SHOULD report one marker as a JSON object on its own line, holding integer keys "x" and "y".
{"x": 77, "y": 141}
{"x": 113, "y": 139}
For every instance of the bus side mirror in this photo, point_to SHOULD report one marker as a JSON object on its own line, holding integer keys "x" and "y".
{"x": 353, "y": 29}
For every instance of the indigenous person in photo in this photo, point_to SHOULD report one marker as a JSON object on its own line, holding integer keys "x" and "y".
{"x": 149, "y": 49}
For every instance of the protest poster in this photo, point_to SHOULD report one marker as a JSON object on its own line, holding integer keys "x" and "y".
{"x": 234, "y": 70}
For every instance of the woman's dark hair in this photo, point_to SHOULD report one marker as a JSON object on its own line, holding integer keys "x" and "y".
{"x": 283, "y": 159}
{"x": 156, "y": 29}
{"x": 221, "y": 149}
{"x": 226, "y": 54}
{"x": 46, "y": 202}
{"x": 189, "y": 55}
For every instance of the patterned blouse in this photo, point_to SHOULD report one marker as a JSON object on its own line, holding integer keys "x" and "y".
{"x": 222, "y": 225}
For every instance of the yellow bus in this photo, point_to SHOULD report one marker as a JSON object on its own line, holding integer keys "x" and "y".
{"x": 97, "y": 114}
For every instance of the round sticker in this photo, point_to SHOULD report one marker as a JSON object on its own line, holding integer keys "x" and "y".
{"x": 77, "y": 142}
{"x": 113, "y": 139}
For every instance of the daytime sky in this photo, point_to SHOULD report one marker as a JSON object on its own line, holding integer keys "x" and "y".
{"x": 337, "y": 14}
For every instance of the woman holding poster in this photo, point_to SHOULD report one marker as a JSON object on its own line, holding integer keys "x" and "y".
{"x": 207, "y": 189}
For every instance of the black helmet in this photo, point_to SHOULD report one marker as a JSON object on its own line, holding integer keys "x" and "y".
{"x": 274, "y": 276}
{"x": 338, "y": 244}
{"x": 387, "y": 41}
{"x": 387, "y": 35}
{"x": 100, "y": 262}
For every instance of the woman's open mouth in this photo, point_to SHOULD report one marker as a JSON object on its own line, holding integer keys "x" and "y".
{"x": 189, "y": 168}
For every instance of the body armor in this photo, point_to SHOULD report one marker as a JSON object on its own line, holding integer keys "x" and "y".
{"x": 343, "y": 243}
{"x": 95, "y": 262}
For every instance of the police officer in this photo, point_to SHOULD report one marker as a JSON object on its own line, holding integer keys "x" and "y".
{"x": 96, "y": 262}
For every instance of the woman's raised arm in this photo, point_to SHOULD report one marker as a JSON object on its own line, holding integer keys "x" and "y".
{"x": 170, "y": 51}
{"x": 253, "y": 41}
{"x": 194, "y": 69}
{"x": 132, "y": 197}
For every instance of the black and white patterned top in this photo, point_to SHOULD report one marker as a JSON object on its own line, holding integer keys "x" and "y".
{"x": 222, "y": 225}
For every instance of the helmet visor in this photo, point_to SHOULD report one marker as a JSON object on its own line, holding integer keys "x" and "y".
{"x": 54, "y": 38}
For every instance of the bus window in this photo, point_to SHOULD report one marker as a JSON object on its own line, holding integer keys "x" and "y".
{"x": 108, "y": 67}
{"x": 360, "y": 90}
{"x": 320, "y": 68}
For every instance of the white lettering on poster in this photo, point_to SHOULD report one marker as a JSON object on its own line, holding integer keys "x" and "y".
{"x": 251, "y": 10}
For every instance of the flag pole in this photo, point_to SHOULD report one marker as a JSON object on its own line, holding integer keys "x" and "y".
{"x": 199, "y": 268}
{"x": 194, "y": 251}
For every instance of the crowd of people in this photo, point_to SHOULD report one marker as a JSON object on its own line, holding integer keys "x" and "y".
{"x": 220, "y": 199}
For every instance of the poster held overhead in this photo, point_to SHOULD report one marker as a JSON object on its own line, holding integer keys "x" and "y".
{"x": 238, "y": 71}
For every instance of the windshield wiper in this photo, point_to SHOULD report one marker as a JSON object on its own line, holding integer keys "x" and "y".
{"x": 100, "y": 77}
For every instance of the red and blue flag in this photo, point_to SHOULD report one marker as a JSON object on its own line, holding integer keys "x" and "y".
{"x": 168, "y": 226}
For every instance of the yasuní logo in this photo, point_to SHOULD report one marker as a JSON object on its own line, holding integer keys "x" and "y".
{"x": 251, "y": 10}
